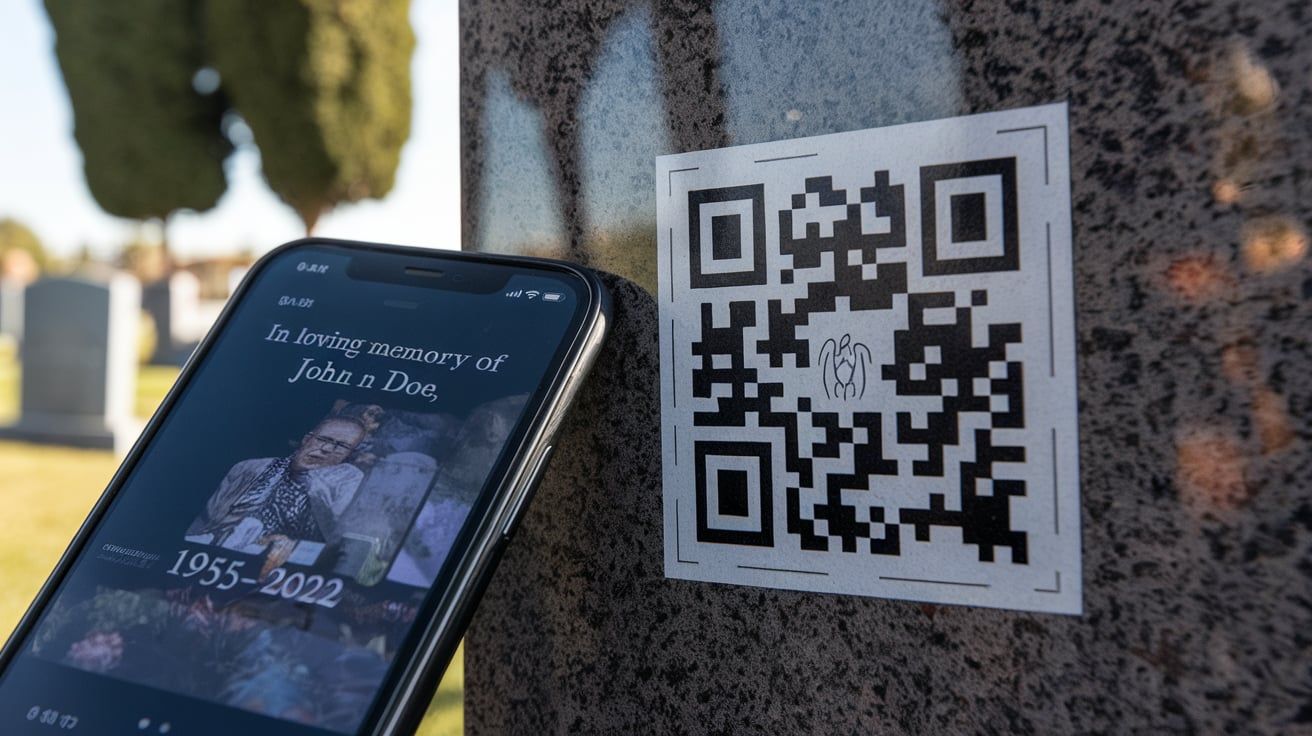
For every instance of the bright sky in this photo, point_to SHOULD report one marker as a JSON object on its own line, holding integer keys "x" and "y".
{"x": 41, "y": 181}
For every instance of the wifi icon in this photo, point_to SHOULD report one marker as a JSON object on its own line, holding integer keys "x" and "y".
{"x": 532, "y": 294}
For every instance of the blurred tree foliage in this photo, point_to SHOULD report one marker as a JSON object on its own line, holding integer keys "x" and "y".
{"x": 14, "y": 235}
{"x": 145, "y": 260}
{"x": 324, "y": 86}
{"x": 151, "y": 143}
{"x": 22, "y": 256}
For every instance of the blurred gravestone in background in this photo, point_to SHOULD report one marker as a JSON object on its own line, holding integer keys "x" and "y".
{"x": 173, "y": 304}
{"x": 22, "y": 258}
{"x": 11, "y": 309}
{"x": 234, "y": 277}
{"x": 79, "y": 363}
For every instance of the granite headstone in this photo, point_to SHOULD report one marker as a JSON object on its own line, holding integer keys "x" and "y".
{"x": 1189, "y": 151}
{"x": 79, "y": 363}
{"x": 580, "y": 631}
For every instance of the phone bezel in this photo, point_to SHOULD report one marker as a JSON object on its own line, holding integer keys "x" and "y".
{"x": 433, "y": 638}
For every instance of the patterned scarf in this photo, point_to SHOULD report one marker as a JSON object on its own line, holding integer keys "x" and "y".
{"x": 280, "y": 499}
{"x": 286, "y": 502}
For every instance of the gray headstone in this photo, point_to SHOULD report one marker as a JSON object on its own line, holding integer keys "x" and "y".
{"x": 79, "y": 363}
{"x": 476, "y": 447}
{"x": 235, "y": 276}
{"x": 11, "y": 309}
{"x": 173, "y": 304}
{"x": 383, "y": 509}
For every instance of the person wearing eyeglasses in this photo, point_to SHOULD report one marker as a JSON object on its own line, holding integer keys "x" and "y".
{"x": 275, "y": 503}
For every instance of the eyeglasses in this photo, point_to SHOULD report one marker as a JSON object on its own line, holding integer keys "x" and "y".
{"x": 330, "y": 443}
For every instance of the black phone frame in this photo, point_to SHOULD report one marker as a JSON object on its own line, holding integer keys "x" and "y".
{"x": 399, "y": 705}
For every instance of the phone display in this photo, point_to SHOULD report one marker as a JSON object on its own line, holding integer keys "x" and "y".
{"x": 292, "y": 520}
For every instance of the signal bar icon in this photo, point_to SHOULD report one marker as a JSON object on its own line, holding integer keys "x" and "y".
{"x": 548, "y": 296}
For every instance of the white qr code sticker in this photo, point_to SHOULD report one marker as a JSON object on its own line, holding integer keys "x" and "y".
{"x": 868, "y": 363}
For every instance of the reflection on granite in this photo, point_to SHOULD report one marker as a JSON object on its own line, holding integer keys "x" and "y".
{"x": 622, "y": 105}
{"x": 624, "y": 82}
{"x": 790, "y": 71}
{"x": 1191, "y": 151}
{"x": 522, "y": 211}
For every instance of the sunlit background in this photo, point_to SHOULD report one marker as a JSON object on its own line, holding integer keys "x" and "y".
{"x": 43, "y": 186}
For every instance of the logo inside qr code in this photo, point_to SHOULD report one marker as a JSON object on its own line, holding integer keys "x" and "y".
{"x": 861, "y": 349}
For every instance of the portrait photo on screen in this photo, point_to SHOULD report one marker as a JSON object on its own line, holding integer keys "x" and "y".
{"x": 304, "y": 566}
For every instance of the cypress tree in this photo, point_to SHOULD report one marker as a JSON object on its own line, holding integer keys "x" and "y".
{"x": 151, "y": 143}
{"x": 324, "y": 86}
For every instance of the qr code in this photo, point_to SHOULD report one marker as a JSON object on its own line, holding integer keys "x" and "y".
{"x": 868, "y": 363}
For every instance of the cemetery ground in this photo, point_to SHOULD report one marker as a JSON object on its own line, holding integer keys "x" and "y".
{"x": 46, "y": 492}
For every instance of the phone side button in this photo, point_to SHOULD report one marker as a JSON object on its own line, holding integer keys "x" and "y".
{"x": 526, "y": 491}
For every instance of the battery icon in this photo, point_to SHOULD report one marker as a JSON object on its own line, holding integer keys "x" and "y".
{"x": 552, "y": 296}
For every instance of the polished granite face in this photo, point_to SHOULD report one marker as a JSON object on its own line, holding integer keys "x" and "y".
{"x": 1191, "y": 147}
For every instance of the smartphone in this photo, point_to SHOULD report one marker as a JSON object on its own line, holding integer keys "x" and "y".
{"x": 297, "y": 540}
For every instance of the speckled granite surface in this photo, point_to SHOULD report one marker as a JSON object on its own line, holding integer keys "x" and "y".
{"x": 1191, "y": 151}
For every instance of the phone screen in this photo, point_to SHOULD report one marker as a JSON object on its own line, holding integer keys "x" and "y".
{"x": 278, "y": 540}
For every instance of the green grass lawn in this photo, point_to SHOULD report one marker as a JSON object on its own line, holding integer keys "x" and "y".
{"x": 46, "y": 492}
